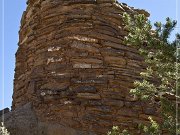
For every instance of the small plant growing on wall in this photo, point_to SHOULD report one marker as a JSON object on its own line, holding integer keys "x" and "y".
{"x": 116, "y": 131}
{"x": 3, "y": 130}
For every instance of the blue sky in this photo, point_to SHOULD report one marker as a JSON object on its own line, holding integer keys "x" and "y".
{"x": 159, "y": 10}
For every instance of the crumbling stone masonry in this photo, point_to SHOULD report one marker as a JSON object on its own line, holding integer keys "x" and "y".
{"x": 74, "y": 69}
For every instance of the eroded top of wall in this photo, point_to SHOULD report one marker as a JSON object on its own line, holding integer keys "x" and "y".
{"x": 122, "y": 5}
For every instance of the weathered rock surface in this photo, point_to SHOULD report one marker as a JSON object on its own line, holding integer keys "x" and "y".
{"x": 23, "y": 121}
{"x": 4, "y": 111}
{"x": 75, "y": 69}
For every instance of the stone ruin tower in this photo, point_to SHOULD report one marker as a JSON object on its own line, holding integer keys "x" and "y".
{"x": 74, "y": 69}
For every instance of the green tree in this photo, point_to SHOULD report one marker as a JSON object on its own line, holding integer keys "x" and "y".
{"x": 160, "y": 80}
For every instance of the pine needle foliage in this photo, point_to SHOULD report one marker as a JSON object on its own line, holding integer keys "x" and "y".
{"x": 160, "y": 81}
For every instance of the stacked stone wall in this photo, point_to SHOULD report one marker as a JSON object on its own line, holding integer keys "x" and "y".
{"x": 73, "y": 66}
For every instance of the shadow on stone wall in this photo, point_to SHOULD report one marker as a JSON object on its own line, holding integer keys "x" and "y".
{"x": 23, "y": 121}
